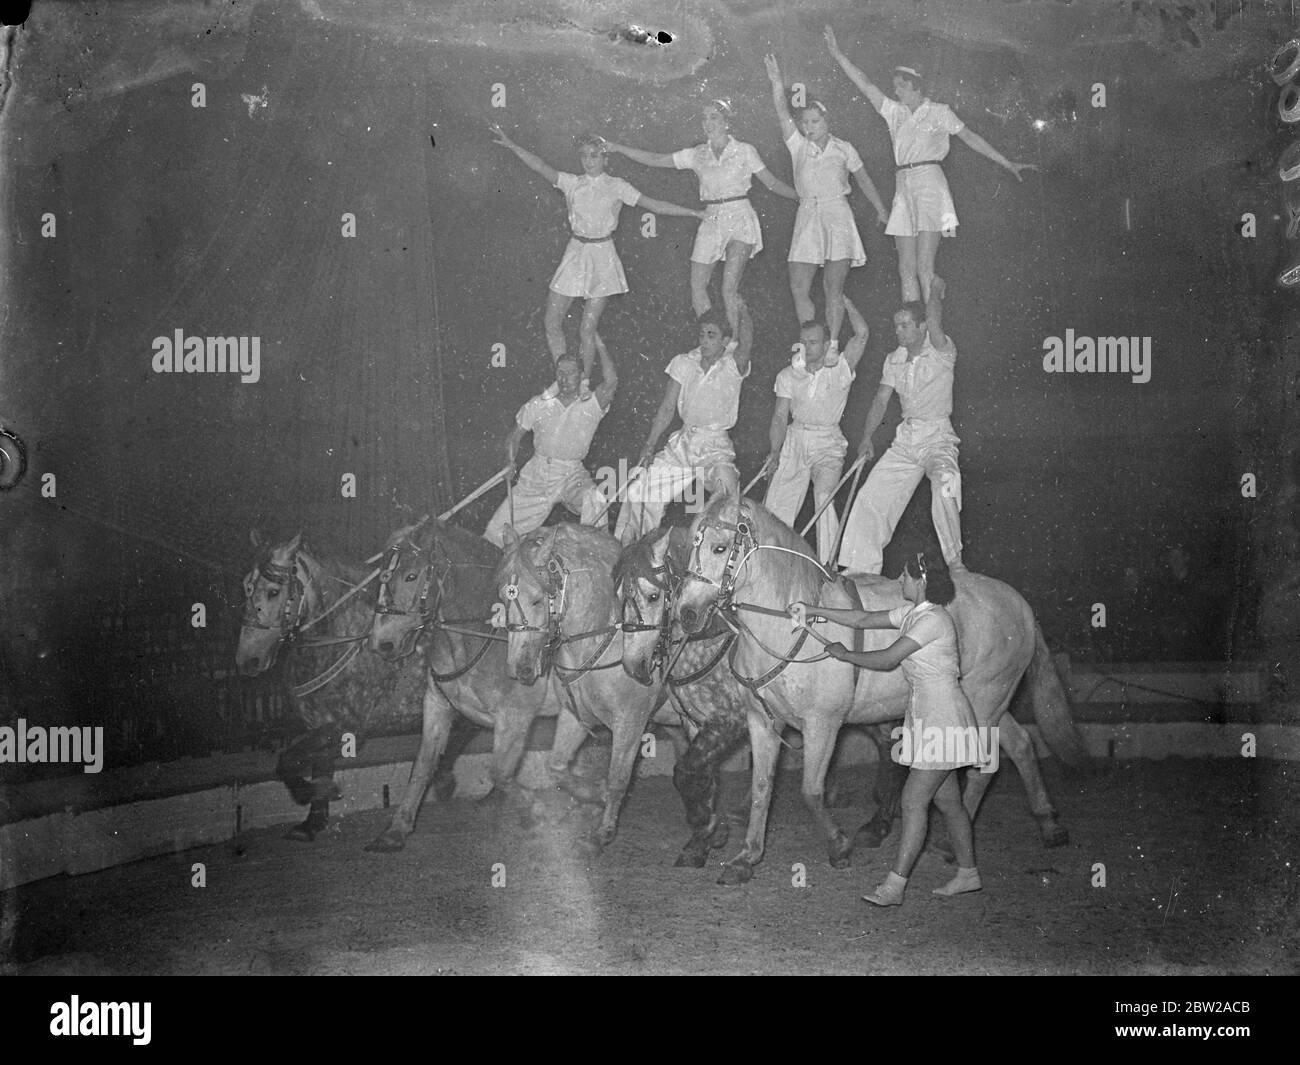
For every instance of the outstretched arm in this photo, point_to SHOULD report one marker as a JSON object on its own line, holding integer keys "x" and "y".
{"x": 663, "y": 159}
{"x": 663, "y": 418}
{"x": 776, "y": 184}
{"x": 608, "y": 376}
{"x": 529, "y": 159}
{"x": 861, "y": 332}
{"x": 855, "y": 75}
{"x": 890, "y": 658}
{"x": 869, "y": 190}
{"x": 512, "y": 443}
{"x": 663, "y": 207}
{"x": 974, "y": 140}
{"x": 778, "y": 96}
{"x": 854, "y": 619}
{"x": 934, "y": 312}
{"x": 744, "y": 339}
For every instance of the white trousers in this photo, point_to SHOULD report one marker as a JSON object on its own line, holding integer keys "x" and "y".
{"x": 810, "y": 452}
{"x": 920, "y": 449}
{"x": 542, "y": 483}
{"x": 703, "y": 455}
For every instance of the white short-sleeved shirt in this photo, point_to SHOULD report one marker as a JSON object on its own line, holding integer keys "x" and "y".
{"x": 932, "y": 627}
{"x": 561, "y": 432}
{"x": 816, "y": 398}
{"x": 924, "y": 385}
{"x": 725, "y": 176}
{"x": 708, "y": 400}
{"x": 822, "y": 172}
{"x": 594, "y": 202}
{"x": 921, "y": 135}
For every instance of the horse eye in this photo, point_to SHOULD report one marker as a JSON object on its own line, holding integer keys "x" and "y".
{"x": 653, "y": 598}
{"x": 410, "y": 576}
{"x": 273, "y": 593}
{"x": 537, "y": 601}
{"x": 719, "y": 549}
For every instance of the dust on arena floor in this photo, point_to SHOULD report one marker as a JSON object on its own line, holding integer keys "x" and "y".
{"x": 1201, "y": 874}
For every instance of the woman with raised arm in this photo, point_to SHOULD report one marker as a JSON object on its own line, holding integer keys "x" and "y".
{"x": 940, "y": 734}
{"x": 591, "y": 269}
{"x": 923, "y": 207}
{"x": 730, "y": 231}
{"x": 824, "y": 231}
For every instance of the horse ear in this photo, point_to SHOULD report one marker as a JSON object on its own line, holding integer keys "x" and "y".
{"x": 660, "y": 547}
{"x": 283, "y": 554}
{"x": 256, "y": 537}
{"x": 400, "y": 535}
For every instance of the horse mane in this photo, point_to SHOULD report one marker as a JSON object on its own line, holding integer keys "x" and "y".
{"x": 569, "y": 540}
{"x": 479, "y": 550}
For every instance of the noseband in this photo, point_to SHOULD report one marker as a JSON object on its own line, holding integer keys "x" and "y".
{"x": 663, "y": 577}
{"x": 556, "y": 590}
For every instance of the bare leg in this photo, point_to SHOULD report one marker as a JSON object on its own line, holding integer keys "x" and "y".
{"x": 833, "y": 276}
{"x": 907, "y": 268}
{"x": 701, "y": 275}
{"x": 557, "y": 307}
{"x": 801, "y": 279}
{"x": 591, "y": 313}
{"x": 927, "y": 247}
{"x": 917, "y": 793}
{"x": 737, "y": 256}
{"x": 948, "y": 800}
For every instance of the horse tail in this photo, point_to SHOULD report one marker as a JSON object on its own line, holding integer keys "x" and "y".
{"x": 1052, "y": 707}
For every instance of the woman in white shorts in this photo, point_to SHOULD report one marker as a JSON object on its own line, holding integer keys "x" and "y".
{"x": 591, "y": 269}
{"x": 824, "y": 231}
{"x": 923, "y": 207}
{"x": 730, "y": 231}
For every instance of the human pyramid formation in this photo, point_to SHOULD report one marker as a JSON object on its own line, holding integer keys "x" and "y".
{"x": 704, "y": 384}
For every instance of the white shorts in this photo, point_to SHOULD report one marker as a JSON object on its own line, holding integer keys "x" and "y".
{"x": 589, "y": 270}
{"x": 824, "y": 231}
{"x": 922, "y": 203}
{"x": 725, "y": 222}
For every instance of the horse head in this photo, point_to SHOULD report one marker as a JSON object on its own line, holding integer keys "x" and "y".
{"x": 280, "y": 596}
{"x": 532, "y": 581}
{"x": 723, "y": 536}
{"x": 412, "y": 587}
{"x": 647, "y": 578}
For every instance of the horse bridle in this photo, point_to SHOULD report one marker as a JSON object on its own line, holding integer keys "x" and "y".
{"x": 556, "y": 591}
{"x": 435, "y": 575}
{"x": 669, "y": 585}
{"x": 742, "y": 545}
{"x": 290, "y": 621}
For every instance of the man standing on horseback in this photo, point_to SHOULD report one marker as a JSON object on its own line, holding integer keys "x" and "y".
{"x": 921, "y": 372}
{"x": 563, "y": 419}
{"x": 812, "y": 391}
{"x": 705, "y": 390}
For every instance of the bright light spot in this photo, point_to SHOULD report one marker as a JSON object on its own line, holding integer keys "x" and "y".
{"x": 1040, "y": 124}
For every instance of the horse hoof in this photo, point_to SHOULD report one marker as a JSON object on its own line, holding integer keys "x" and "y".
{"x": 603, "y": 837}
{"x": 583, "y": 791}
{"x": 1056, "y": 836}
{"x": 841, "y": 851}
{"x": 301, "y": 834}
{"x": 721, "y": 835}
{"x": 444, "y": 788}
{"x": 845, "y": 862}
{"x": 736, "y": 873}
{"x": 690, "y": 859}
{"x": 386, "y": 843}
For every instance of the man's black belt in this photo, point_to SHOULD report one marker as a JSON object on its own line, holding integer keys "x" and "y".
{"x": 923, "y": 162}
{"x": 730, "y": 199}
{"x": 594, "y": 240}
